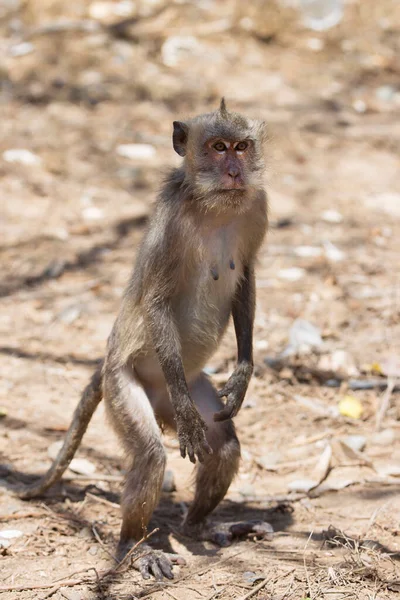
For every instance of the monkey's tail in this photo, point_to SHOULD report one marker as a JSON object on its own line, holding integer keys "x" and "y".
{"x": 88, "y": 403}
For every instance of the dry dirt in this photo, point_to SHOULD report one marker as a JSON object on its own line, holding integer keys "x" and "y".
{"x": 71, "y": 224}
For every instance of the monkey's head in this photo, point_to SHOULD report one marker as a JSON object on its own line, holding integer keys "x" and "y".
{"x": 224, "y": 158}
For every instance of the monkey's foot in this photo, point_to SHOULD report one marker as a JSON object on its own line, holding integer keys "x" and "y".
{"x": 223, "y": 534}
{"x": 152, "y": 562}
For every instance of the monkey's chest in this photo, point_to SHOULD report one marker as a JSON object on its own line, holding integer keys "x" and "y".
{"x": 204, "y": 307}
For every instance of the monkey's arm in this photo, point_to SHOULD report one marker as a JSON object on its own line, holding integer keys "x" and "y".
{"x": 190, "y": 426}
{"x": 243, "y": 309}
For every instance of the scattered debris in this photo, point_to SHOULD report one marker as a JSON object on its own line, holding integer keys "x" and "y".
{"x": 350, "y": 406}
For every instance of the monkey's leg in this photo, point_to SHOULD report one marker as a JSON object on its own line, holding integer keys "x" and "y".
{"x": 215, "y": 475}
{"x": 133, "y": 418}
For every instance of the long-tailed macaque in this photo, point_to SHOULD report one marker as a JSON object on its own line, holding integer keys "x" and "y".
{"x": 195, "y": 268}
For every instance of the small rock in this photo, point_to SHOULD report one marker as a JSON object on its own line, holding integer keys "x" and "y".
{"x": 388, "y": 202}
{"x": 93, "y": 550}
{"x": 10, "y": 534}
{"x": 136, "y": 151}
{"x": 21, "y": 49}
{"x": 92, "y": 213}
{"x": 333, "y": 253}
{"x": 303, "y": 333}
{"x": 302, "y": 485}
{"x": 177, "y": 48}
{"x": 69, "y": 314}
{"x": 108, "y": 11}
{"x": 386, "y": 93}
{"x": 82, "y": 466}
{"x": 4, "y": 543}
{"x": 291, "y": 274}
{"x": 332, "y": 216}
{"x": 315, "y": 44}
{"x": 252, "y": 577}
{"x": 360, "y": 106}
{"x": 247, "y": 489}
{"x": 269, "y": 461}
{"x": 21, "y": 156}
{"x": 3, "y": 412}
{"x": 355, "y": 442}
{"x": 307, "y": 251}
{"x": 386, "y": 437}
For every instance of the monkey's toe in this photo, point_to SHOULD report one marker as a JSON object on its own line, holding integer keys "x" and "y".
{"x": 159, "y": 564}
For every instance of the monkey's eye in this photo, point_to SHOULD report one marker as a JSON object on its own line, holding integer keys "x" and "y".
{"x": 241, "y": 146}
{"x": 219, "y": 147}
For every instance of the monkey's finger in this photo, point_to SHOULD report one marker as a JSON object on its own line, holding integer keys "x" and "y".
{"x": 190, "y": 452}
{"x": 182, "y": 448}
{"x": 206, "y": 447}
{"x": 224, "y": 392}
{"x": 223, "y": 415}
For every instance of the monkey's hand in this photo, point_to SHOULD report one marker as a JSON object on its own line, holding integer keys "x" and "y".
{"x": 191, "y": 433}
{"x": 234, "y": 391}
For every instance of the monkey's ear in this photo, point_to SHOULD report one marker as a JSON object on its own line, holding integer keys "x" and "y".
{"x": 179, "y": 137}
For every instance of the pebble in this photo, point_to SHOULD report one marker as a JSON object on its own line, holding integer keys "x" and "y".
{"x": 307, "y": 251}
{"x": 355, "y": 442}
{"x": 10, "y": 534}
{"x": 136, "y": 151}
{"x": 385, "y": 437}
{"x": 177, "y": 48}
{"x": 291, "y": 274}
{"x": 82, "y": 466}
{"x": 332, "y": 216}
{"x": 333, "y": 253}
{"x": 21, "y": 156}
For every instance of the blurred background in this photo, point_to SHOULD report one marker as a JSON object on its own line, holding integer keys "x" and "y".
{"x": 88, "y": 92}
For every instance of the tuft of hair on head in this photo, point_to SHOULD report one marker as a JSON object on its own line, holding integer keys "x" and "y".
{"x": 222, "y": 109}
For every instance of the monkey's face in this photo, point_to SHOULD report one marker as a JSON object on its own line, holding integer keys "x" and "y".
{"x": 224, "y": 160}
{"x": 224, "y": 164}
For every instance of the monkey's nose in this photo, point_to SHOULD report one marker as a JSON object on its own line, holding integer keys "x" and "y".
{"x": 234, "y": 173}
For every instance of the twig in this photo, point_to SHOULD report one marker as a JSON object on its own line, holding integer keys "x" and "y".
{"x": 305, "y": 565}
{"x": 170, "y": 594}
{"x": 102, "y": 500}
{"x": 129, "y": 554}
{"x": 92, "y": 477}
{"x": 384, "y": 403}
{"x": 41, "y": 586}
{"x": 216, "y": 593}
{"x": 258, "y": 587}
{"x": 102, "y": 544}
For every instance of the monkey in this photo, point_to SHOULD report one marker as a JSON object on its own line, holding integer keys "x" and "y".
{"x": 194, "y": 270}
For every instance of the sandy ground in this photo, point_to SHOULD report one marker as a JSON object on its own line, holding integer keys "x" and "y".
{"x": 71, "y": 222}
